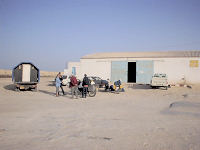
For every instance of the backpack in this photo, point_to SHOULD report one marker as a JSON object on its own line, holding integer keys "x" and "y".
{"x": 86, "y": 81}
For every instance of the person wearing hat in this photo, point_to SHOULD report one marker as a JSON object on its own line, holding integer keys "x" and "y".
{"x": 85, "y": 84}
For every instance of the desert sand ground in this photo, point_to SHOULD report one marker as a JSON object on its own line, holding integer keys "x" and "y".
{"x": 138, "y": 119}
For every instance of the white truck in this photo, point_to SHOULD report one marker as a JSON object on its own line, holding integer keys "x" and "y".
{"x": 159, "y": 80}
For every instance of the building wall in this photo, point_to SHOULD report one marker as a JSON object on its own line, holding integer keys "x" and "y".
{"x": 175, "y": 68}
{"x": 77, "y": 65}
{"x": 95, "y": 67}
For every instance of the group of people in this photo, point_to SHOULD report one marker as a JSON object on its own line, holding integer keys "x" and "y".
{"x": 74, "y": 85}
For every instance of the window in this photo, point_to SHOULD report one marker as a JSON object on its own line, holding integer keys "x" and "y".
{"x": 74, "y": 70}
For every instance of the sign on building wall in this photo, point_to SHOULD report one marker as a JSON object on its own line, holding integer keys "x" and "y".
{"x": 194, "y": 63}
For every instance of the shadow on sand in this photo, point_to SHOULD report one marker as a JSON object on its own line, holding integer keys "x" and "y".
{"x": 51, "y": 83}
{"x": 139, "y": 86}
{"x": 10, "y": 87}
{"x": 144, "y": 86}
{"x": 183, "y": 108}
{"x": 47, "y": 92}
{"x": 67, "y": 94}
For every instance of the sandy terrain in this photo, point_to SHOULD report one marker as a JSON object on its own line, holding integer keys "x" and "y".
{"x": 139, "y": 119}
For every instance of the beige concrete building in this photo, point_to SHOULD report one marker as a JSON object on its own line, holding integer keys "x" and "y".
{"x": 138, "y": 67}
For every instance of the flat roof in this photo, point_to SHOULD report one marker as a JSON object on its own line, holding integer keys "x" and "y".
{"x": 156, "y": 54}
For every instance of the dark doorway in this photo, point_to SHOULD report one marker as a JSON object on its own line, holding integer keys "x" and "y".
{"x": 132, "y": 72}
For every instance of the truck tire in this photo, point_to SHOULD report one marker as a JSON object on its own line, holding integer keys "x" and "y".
{"x": 17, "y": 89}
{"x": 34, "y": 89}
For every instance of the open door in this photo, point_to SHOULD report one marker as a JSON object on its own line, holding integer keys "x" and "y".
{"x": 131, "y": 72}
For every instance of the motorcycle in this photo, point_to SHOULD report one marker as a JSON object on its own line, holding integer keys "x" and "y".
{"x": 91, "y": 89}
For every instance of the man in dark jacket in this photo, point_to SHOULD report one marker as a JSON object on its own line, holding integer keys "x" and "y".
{"x": 85, "y": 84}
{"x": 61, "y": 78}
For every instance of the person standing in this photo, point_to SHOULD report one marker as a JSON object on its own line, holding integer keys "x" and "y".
{"x": 74, "y": 86}
{"x": 58, "y": 83}
{"x": 85, "y": 84}
{"x": 107, "y": 84}
{"x": 61, "y": 78}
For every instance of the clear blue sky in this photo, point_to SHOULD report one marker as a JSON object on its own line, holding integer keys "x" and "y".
{"x": 51, "y": 32}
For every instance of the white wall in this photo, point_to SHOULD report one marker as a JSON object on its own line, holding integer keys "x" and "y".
{"x": 77, "y": 65}
{"x": 95, "y": 67}
{"x": 178, "y": 68}
{"x": 175, "y": 68}
{"x": 98, "y": 67}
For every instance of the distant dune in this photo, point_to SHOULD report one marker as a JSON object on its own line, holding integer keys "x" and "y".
{"x": 8, "y": 73}
{"x": 5, "y": 73}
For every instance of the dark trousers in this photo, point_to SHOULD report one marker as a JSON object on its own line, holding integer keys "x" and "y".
{"x": 62, "y": 90}
{"x": 84, "y": 92}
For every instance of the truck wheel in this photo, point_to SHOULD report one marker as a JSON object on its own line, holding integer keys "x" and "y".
{"x": 17, "y": 89}
{"x": 35, "y": 89}
{"x": 166, "y": 87}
